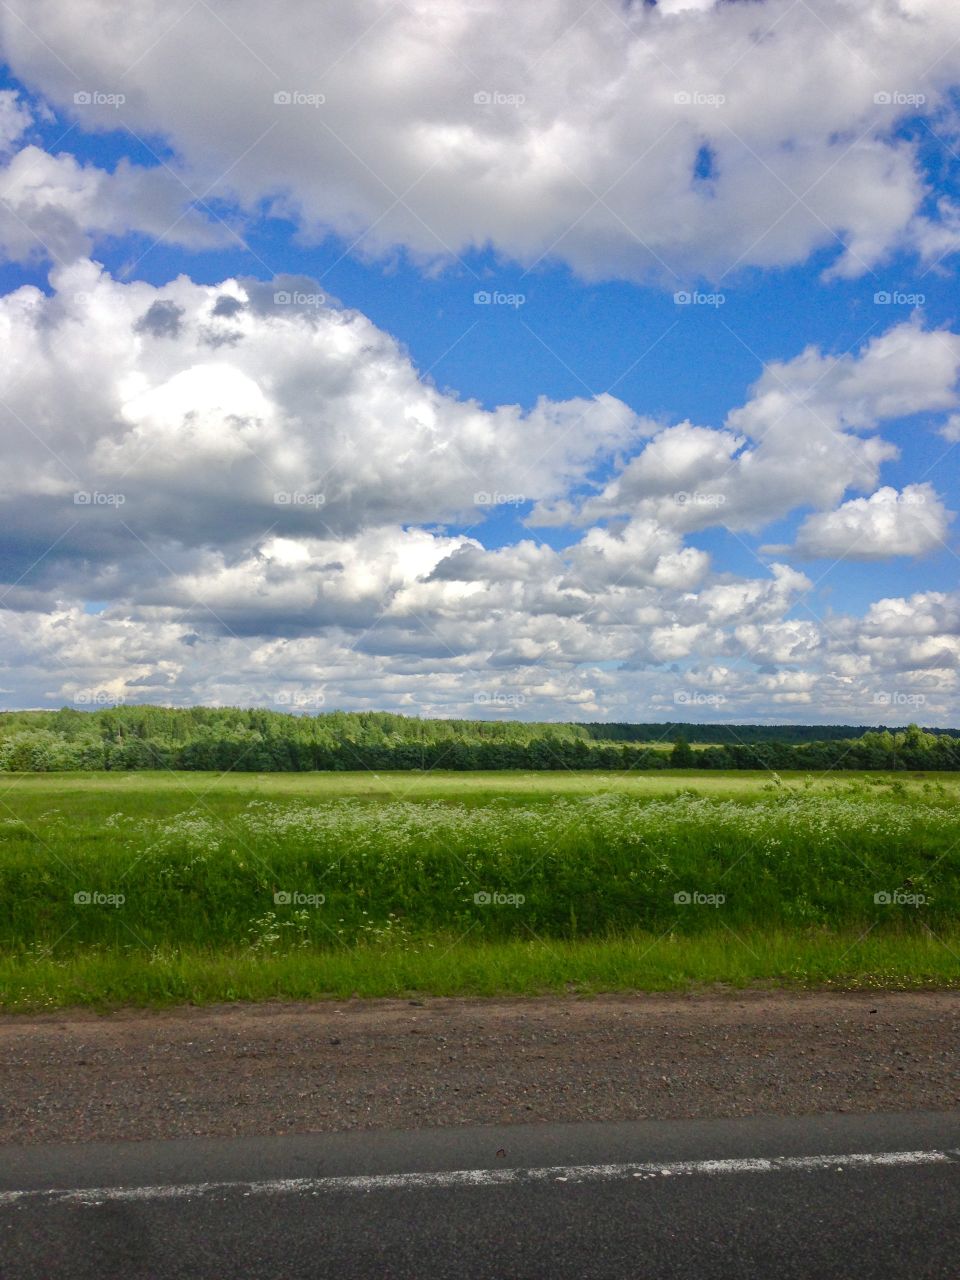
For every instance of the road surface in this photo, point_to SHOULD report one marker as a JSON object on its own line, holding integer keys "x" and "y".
{"x": 817, "y": 1196}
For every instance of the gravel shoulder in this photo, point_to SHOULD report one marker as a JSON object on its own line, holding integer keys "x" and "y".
{"x": 331, "y": 1066}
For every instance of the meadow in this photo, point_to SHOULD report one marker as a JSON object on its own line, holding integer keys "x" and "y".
{"x": 158, "y": 887}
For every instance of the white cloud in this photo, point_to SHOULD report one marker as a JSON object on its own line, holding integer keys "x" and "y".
{"x": 856, "y": 669}
{"x": 15, "y": 119}
{"x": 553, "y": 129}
{"x": 269, "y": 488}
{"x": 295, "y": 585}
{"x": 643, "y": 553}
{"x": 907, "y": 651}
{"x": 888, "y": 523}
{"x": 799, "y": 440}
{"x": 217, "y": 412}
{"x": 53, "y": 207}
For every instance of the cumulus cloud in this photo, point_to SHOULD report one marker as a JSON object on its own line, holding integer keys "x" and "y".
{"x": 15, "y": 119}
{"x": 289, "y": 615}
{"x": 888, "y": 523}
{"x": 900, "y": 662}
{"x": 907, "y": 650}
{"x": 53, "y": 207}
{"x": 293, "y": 586}
{"x": 555, "y": 129}
{"x": 801, "y": 439}
{"x": 307, "y": 421}
{"x": 642, "y": 553}
{"x": 261, "y": 494}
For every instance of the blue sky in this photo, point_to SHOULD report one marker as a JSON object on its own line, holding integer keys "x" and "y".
{"x": 791, "y": 205}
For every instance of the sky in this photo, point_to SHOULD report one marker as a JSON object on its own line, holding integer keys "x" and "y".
{"x": 569, "y": 361}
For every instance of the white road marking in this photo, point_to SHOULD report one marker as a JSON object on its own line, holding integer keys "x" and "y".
{"x": 482, "y": 1177}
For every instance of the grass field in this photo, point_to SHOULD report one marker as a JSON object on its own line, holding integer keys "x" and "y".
{"x": 159, "y": 887}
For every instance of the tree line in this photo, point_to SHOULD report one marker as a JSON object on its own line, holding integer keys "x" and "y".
{"x": 219, "y": 738}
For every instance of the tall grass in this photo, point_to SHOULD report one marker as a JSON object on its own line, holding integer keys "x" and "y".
{"x": 267, "y": 876}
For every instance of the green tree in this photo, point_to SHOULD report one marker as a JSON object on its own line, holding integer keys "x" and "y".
{"x": 683, "y": 755}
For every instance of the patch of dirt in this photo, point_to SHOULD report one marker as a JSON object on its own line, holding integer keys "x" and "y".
{"x": 287, "y": 1068}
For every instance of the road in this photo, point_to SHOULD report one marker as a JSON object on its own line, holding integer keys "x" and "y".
{"x": 817, "y": 1196}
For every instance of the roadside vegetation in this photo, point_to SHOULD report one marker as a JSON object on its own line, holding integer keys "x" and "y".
{"x": 153, "y": 888}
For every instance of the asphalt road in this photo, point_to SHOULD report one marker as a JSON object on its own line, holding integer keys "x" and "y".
{"x": 819, "y": 1196}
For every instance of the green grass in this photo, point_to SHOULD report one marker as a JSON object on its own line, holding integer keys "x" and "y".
{"x": 451, "y": 967}
{"x": 155, "y": 791}
{"x": 389, "y": 866}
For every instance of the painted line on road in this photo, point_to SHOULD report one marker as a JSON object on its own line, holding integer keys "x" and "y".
{"x": 483, "y": 1177}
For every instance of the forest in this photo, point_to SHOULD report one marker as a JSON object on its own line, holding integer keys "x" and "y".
{"x": 217, "y": 738}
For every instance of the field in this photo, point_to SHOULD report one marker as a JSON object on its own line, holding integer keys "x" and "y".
{"x": 159, "y": 887}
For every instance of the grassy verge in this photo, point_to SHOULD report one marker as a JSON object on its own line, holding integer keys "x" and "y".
{"x": 636, "y": 962}
{"x": 287, "y": 876}
{"x": 142, "y": 891}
